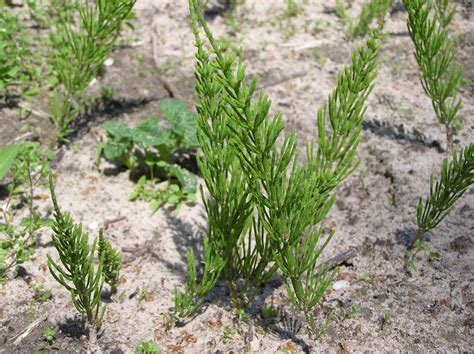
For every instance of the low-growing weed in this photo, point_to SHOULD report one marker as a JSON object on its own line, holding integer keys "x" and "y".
{"x": 147, "y": 150}
{"x": 435, "y": 53}
{"x": 78, "y": 52}
{"x": 76, "y": 271}
{"x": 360, "y": 26}
{"x": 148, "y": 347}
{"x": 266, "y": 207}
{"x": 19, "y": 76}
{"x": 26, "y": 166}
{"x": 457, "y": 175}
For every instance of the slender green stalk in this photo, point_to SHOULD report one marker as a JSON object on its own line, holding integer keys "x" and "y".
{"x": 76, "y": 271}
{"x": 456, "y": 177}
{"x": 265, "y": 207}
{"x": 435, "y": 53}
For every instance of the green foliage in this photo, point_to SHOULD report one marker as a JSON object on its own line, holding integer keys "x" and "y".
{"x": 360, "y": 26}
{"x": 435, "y": 53}
{"x": 269, "y": 311}
{"x": 18, "y": 74}
{"x": 265, "y": 208}
{"x": 147, "y": 149}
{"x": 456, "y": 177}
{"x": 445, "y": 11}
{"x": 76, "y": 271}
{"x": 26, "y": 166}
{"x": 293, "y": 9}
{"x": 49, "y": 335}
{"x": 188, "y": 301}
{"x": 148, "y": 347}
{"x": 111, "y": 262}
{"x": 78, "y": 53}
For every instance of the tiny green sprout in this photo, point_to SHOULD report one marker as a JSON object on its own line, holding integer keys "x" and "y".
{"x": 229, "y": 333}
{"x": 269, "y": 311}
{"x": 41, "y": 295}
{"x": 49, "y": 335}
{"x": 355, "y": 309}
{"x": 148, "y": 347}
{"x": 293, "y": 9}
{"x": 387, "y": 319}
{"x": 364, "y": 276}
{"x": 242, "y": 314}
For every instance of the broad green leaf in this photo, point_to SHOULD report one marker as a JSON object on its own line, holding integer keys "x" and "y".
{"x": 117, "y": 129}
{"x": 7, "y": 156}
{"x": 150, "y": 134}
{"x": 112, "y": 152}
{"x": 185, "y": 178}
{"x": 182, "y": 121}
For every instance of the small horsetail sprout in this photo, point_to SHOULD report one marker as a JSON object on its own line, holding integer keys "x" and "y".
{"x": 111, "y": 262}
{"x": 78, "y": 54}
{"x": 456, "y": 177}
{"x": 76, "y": 271}
{"x": 435, "y": 53}
{"x": 265, "y": 209}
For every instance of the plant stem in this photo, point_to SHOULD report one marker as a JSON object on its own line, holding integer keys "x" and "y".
{"x": 415, "y": 239}
{"x": 449, "y": 139}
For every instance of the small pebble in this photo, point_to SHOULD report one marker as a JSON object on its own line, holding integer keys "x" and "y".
{"x": 109, "y": 62}
{"x": 340, "y": 284}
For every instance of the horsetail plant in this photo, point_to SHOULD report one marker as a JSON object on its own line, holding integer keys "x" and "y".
{"x": 265, "y": 208}
{"x": 78, "y": 54}
{"x": 111, "y": 261}
{"x": 76, "y": 271}
{"x": 457, "y": 176}
{"x": 435, "y": 53}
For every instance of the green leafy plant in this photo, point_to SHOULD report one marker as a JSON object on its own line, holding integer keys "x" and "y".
{"x": 148, "y": 347}
{"x": 360, "y": 26}
{"x": 293, "y": 9}
{"x": 19, "y": 76}
{"x": 188, "y": 301}
{"x": 265, "y": 207}
{"x": 49, "y": 335}
{"x": 147, "y": 150}
{"x": 76, "y": 271}
{"x": 26, "y": 166}
{"x": 445, "y": 11}
{"x": 435, "y": 53}
{"x": 456, "y": 177}
{"x": 111, "y": 260}
{"x": 78, "y": 52}
{"x": 269, "y": 311}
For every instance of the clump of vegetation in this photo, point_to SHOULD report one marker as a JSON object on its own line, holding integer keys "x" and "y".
{"x": 76, "y": 271}
{"x": 148, "y": 347}
{"x": 111, "y": 259}
{"x": 265, "y": 207}
{"x": 25, "y": 165}
{"x": 435, "y": 53}
{"x": 360, "y": 26}
{"x": 18, "y": 74}
{"x": 147, "y": 150}
{"x": 78, "y": 53}
{"x": 457, "y": 175}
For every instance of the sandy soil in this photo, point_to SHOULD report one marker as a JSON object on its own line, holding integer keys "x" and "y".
{"x": 297, "y": 60}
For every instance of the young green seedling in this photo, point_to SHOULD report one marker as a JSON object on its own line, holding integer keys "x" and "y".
{"x": 435, "y": 53}
{"x": 27, "y": 166}
{"x": 457, "y": 175}
{"x": 76, "y": 271}
{"x": 78, "y": 52}
{"x": 265, "y": 207}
